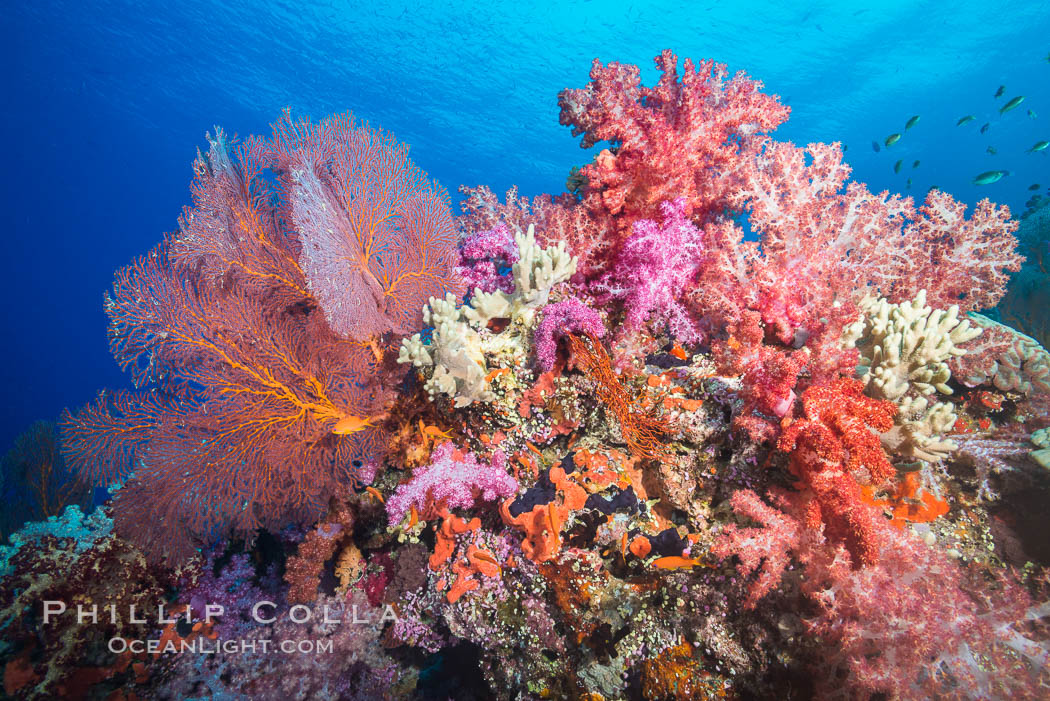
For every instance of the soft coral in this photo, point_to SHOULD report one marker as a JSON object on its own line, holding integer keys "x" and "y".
{"x": 834, "y": 449}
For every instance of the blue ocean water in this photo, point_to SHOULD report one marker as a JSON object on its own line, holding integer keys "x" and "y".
{"x": 106, "y": 102}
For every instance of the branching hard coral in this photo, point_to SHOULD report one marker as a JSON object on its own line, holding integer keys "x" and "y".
{"x": 905, "y": 349}
{"x": 454, "y": 479}
{"x": 1004, "y": 358}
{"x": 461, "y": 351}
{"x": 1041, "y": 440}
{"x": 556, "y": 220}
{"x": 534, "y": 274}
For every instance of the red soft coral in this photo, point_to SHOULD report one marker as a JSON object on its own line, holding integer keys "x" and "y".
{"x": 834, "y": 449}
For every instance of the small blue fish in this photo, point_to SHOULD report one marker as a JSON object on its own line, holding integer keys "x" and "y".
{"x": 990, "y": 176}
{"x": 1034, "y": 186}
{"x": 1039, "y": 146}
{"x": 965, "y": 120}
{"x": 991, "y": 151}
{"x": 1014, "y": 102}
{"x": 897, "y": 166}
{"x": 985, "y": 127}
{"x": 1000, "y": 91}
{"x": 915, "y": 165}
{"x": 1031, "y": 114}
{"x": 892, "y": 139}
{"x": 875, "y": 146}
{"x": 911, "y": 122}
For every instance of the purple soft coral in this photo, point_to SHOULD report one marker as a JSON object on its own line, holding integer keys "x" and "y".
{"x": 486, "y": 258}
{"x": 453, "y": 479}
{"x": 657, "y": 266}
{"x": 559, "y": 319}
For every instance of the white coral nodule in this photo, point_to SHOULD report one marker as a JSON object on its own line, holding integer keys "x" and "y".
{"x": 457, "y": 358}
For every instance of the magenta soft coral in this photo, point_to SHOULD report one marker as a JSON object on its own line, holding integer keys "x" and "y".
{"x": 486, "y": 257}
{"x": 560, "y": 319}
{"x": 657, "y": 265}
{"x": 454, "y": 479}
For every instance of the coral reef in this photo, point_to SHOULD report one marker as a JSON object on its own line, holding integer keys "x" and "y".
{"x": 1004, "y": 358}
{"x": 717, "y": 423}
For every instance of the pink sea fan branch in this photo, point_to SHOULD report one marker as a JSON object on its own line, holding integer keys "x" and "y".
{"x": 377, "y": 237}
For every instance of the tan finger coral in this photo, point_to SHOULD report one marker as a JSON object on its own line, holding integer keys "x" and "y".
{"x": 463, "y": 352}
{"x": 905, "y": 349}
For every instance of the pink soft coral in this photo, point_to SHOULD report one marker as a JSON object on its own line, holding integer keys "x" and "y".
{"x": 766, "y": 549}
{"x": 823, "y": 242}
{"x": 675, "y": 139}
{"x": 916, "y": 626}
{"x": 453, "y": 479}
{"x": 657, "y": 265}
{"x": 827, "y": 242}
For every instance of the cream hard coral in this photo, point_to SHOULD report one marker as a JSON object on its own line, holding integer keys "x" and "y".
{"x": 462, "y": 352}
{"x": 905, "y": 349}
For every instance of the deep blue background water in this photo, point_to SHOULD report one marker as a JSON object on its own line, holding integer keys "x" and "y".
{"x": 104, "y": 104}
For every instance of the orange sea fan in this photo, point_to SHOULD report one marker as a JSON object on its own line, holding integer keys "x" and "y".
{"x": 254, "y": 411}
{"x": 641, "y": 431}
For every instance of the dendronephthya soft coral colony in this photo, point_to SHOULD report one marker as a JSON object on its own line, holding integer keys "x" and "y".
{"x": 617, "y": 443}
